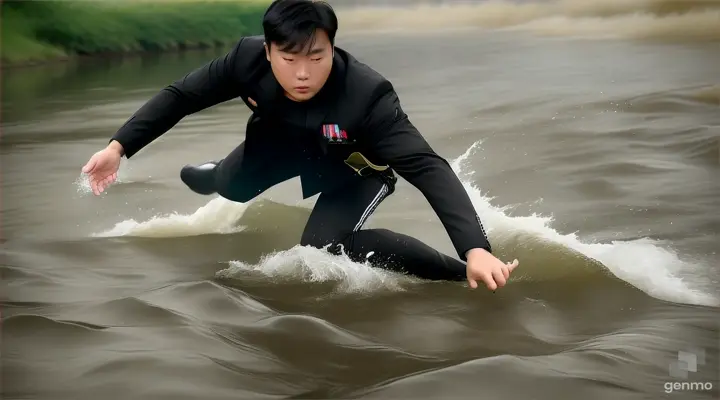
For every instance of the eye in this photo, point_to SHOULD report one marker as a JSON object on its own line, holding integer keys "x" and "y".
{"x": 316, "y": 59}
{"x": 288, "y": 59}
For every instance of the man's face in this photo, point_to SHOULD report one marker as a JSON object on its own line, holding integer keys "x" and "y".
{"x": 302, "y": 73}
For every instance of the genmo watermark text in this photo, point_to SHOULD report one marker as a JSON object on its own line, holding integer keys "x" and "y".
{"x": 687, "y": 386}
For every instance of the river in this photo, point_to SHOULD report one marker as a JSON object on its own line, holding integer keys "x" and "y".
{"x": 589, "y": 145}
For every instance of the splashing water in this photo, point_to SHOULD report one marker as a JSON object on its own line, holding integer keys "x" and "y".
{"x": 642, "y": 263}
{"x": 82, "y": 183}
{"x": 317, "y": 265}
{"x": 217, "y": 216}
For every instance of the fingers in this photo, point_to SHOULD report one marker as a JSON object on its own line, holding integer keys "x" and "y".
{"x": 489, "y": 281}
{"x": 513, "y": 265}
{"x": 89, "y": 168}
{"x": 95, "y": 186}
{"x": 499, "y": 278}
{"x": 107, "y": 181}
{"x": 505, "y": 271}
{"x": 473, "y": 283}
{"x": 98, "y": 185}
{"x": 104, "y": 184}
{"x": 495, "y": 278}
{"x": 503, "y": 274}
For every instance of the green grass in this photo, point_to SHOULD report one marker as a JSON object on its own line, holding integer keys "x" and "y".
{"x": 37, "y": 31}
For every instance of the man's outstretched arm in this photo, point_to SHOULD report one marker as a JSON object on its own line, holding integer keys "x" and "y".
{"x": 211, "y": 84}
{"x": 392, "y": 139}
{"x": 395, "y": 141}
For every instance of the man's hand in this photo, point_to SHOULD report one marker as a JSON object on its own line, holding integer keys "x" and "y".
{"x": 482, "y": 265}
{"x": 103, "y": 166}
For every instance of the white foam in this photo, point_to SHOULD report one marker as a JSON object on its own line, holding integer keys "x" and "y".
{"x": 315, "y": 265}
{"x": 217, "y": 216}
{"x": 643, "y": 263}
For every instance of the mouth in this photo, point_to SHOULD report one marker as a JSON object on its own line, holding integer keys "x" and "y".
{"x": 302, "y": 89}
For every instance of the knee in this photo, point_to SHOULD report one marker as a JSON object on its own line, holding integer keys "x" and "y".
{"x": 316, "y": 239}
{"x": 231, "y": 190}
{"x": 239, "y": 195}
{"x": 333, "y": 242}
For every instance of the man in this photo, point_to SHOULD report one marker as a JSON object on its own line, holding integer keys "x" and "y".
{"x": 320, "y": 114}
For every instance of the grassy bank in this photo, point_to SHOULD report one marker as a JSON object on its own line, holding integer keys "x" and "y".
{"x": 40, "y": 31}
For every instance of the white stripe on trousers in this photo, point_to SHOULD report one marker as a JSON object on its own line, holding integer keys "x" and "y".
{"x": 371, "y": 207}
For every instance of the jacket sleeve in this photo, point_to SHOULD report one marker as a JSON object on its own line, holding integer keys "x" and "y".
{"x": 211, "y": 84}
{"x": 393, "y": 140}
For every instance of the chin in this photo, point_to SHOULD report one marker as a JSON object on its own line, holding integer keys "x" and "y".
{"x": 302, "y": 96}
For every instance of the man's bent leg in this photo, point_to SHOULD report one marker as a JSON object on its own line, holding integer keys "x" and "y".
{"x": 338, "y": 217}
{"x": 239, "y": 176}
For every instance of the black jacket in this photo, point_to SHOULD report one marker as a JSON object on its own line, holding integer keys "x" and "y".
{"x": 356, "y": 99}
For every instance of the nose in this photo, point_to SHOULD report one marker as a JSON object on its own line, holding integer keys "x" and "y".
{"x": 302, "y": 72}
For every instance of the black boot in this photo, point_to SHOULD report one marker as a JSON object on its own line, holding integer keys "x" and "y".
{"x": 201, "y": 178}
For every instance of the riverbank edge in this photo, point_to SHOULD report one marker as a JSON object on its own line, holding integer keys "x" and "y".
{"x": 41, "y": 33}
{"x": 60, "y": 59}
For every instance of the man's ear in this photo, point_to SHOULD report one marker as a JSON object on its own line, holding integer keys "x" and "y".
{"x": 267, "y": 51}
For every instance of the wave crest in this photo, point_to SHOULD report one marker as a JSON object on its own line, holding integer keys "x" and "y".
{"x": 544, "y": 253}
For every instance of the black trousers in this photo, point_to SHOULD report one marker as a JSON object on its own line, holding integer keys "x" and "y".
{"x": 338, "y": 217}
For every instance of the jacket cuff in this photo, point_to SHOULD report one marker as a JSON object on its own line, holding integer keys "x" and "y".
{"x": 472, "y": 240}
{"x": 128, "y": 150}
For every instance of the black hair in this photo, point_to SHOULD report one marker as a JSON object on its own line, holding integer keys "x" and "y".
{"x": 291, "y": 24}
